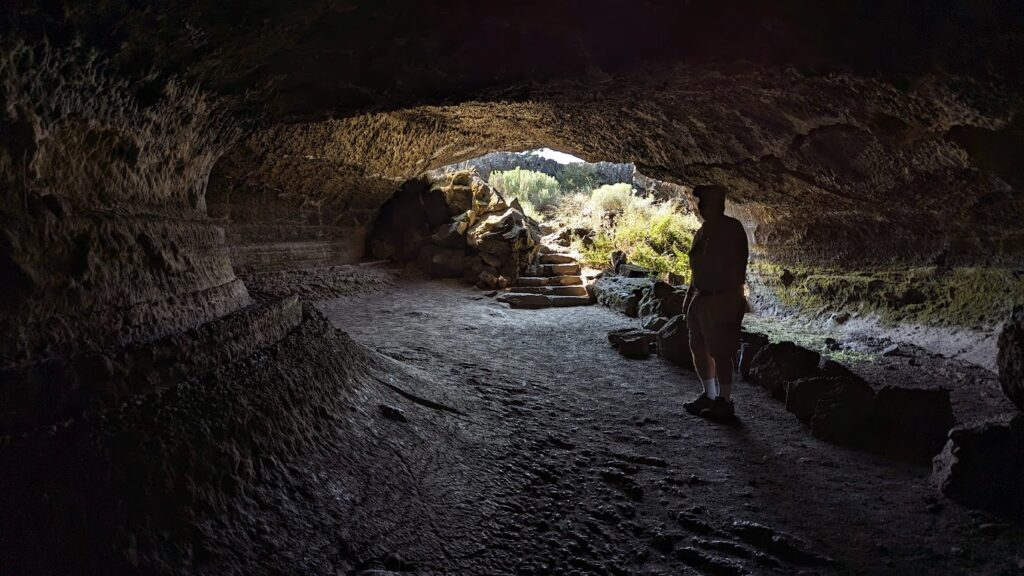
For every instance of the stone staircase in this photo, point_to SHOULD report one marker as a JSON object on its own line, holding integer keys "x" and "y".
{"x": 553, "y": 280}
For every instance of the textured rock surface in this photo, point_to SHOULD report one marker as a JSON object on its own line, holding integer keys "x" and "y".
{"x": 674, "y": 342}
{"x": 844, "y": 414}
{"x": 776, "y": 364}
{"x": 620, "y": 293}
{"x": 1011, "y": 357}
{"x": 981, "y": 466}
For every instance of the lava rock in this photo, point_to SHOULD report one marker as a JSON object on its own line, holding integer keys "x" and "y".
{"x": 636, "y": 346}
{"x": 834, "y": 369}
{"x": 803, "y": 394}
{"x": 776, "y": 364}
{"x": 912, "y": 424}
{"x": 654, "y": 323}
{"x": 844, "y": 414}
{"x": 615, "y": 337}
{"x": 981, "y": 467}
{"x": 674, "y": 342}
{"x": 619, "y": 293}
{"x": 659, "y": 303}
{"x": 1011, "y": 357}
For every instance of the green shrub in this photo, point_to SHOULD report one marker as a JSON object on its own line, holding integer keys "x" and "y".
{"x": 656, "y": 236}
{"x": 578, "y": 177}
{"x": 613, "y": 198}
{"x": 538, "y": 189}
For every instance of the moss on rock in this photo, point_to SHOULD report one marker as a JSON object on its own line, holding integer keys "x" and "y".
{"x": 966, "y": 296}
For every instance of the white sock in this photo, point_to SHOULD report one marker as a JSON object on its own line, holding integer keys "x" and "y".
{"x": 724, "y": 390}
{"x": 711, "y": 388}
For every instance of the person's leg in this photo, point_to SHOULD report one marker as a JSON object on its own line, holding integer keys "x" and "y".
{"x": 704, "y": 365}
{"x": 722, "y": 341}
{"x": 702, "y": 361}
{"x": 697, "y": 326}
{"x": 724, "y": 377}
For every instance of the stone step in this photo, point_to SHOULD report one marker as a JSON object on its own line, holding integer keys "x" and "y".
{"x": 553, "y": 270}
{"x": 527, "y": 301}
{"x": 524, "y": 300}
{"x": 556, "y": 259}
{"x": 548, "y": 281}
{"x": 578, "y": 290}
{"x": 567, "y": 301}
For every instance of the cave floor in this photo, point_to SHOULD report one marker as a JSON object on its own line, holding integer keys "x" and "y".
{"x": 530, "y": 446}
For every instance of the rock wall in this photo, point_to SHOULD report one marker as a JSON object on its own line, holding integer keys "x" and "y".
{"x": 106, "y": 247}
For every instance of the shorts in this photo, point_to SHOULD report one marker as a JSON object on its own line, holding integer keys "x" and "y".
{"x": 713, "y": 321}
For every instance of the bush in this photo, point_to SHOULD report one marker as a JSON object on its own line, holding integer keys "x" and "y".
{"x": 578, "y": 177}
{"x": 613, "y": 198}
{"x": 536, "y": 188}
{"x": 654, "y": 236}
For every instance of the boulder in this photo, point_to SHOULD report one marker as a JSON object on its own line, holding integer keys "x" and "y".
{"x": 843, "y": 414}
{"x": 981, "y": 466}
{"x": 829, "y": 367}
{"x": 619, "y": 293}
{"x": 634, "y": 271}
{"x": 661, "y": 300}
{"x": 776, "y": 364}
{"x": 1011, "y": 357}
{"x": 635, "y": 346}
{"x": 615, "y": 337}
{"x": 802, "y": 395}
{"x": 653, "y": 322}
{"x": 912, "y": 424}
{"x": 674, "y": 342}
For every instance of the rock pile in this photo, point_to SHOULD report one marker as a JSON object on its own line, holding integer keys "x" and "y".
{"x": 457, "y": 226}
{"x": 908, "y": 424}
{"x": 621, "y": 293}
{"x": 659, "y": 303}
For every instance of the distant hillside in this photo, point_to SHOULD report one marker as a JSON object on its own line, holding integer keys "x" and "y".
{"x": 605, "y": 172}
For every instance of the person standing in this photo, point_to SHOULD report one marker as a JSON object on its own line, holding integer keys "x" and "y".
{"x": 714, "y": 302}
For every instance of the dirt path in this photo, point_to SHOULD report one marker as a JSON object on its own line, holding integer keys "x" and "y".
{"x": 558, "y": 456}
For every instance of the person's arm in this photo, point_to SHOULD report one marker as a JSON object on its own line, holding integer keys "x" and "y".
{"x": 742, "y": 253}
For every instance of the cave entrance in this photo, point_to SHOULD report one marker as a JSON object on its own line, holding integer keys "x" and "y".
{"x": 538, "y": 225}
